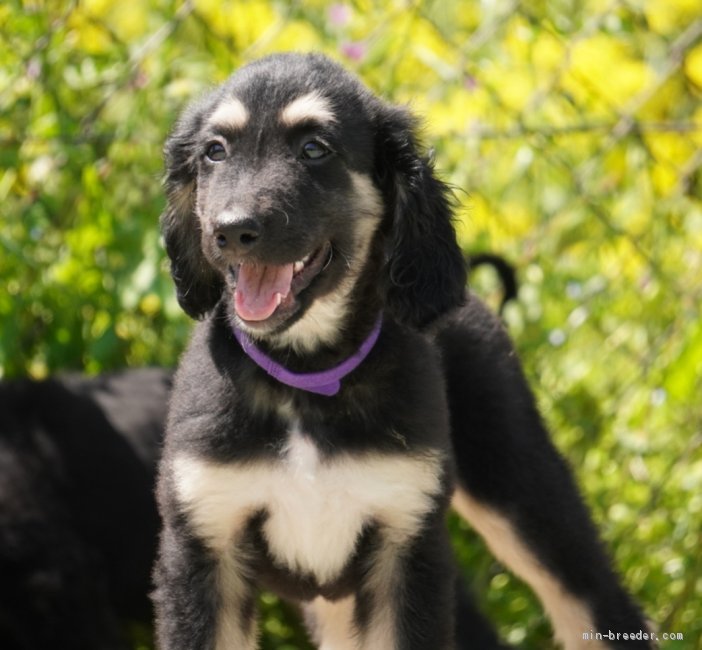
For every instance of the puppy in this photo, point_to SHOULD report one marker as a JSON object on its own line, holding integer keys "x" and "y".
{"x": 341, "y": 387}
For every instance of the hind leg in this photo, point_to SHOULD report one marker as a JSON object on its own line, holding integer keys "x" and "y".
{"x": 519, "y": 494}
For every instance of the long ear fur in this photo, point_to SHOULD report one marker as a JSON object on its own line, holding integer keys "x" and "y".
{"x": 198, "y": 286}
{"x": 426, "y": 269}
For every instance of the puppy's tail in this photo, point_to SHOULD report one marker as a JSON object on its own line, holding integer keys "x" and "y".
{"x": 505, "y": 271}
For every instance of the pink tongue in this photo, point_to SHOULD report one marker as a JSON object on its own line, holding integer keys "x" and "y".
{"x": 260, "y": 289}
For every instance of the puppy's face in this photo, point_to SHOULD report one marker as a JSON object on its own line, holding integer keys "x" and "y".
{"x": 277, "y": 184}
{"x": 285, "y": 199}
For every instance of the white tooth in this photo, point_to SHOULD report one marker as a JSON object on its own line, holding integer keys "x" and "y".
{"x": 306, "y": 258}
{"x": 298, "y": 267}
{"x": 278, "y": 299}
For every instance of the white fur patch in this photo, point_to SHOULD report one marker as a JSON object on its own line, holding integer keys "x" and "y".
{"x": 310, "y": 107}
{"x": 231, "y": 628}
{"x": 322, "y": 322}
{"x": 569, "y": 615}
{"x": 316, "y": 508}
{"x": 384, "y": 584}
{"x": 231, "y": 114}
{"x": 331, "y": 623}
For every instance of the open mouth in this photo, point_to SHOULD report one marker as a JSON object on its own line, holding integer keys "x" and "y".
{"x": 263, "y": 290}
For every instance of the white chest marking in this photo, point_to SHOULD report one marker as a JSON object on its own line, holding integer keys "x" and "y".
{"x": 316, "y": 508}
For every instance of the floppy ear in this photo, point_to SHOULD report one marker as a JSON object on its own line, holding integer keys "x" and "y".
{"x": 198, "y": 285}
{"x": 425, "y": 268}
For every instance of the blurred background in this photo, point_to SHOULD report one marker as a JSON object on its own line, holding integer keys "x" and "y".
{"x": 572, "y": 133}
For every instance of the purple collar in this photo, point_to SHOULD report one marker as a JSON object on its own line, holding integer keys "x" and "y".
{"x": 327, "y": 382}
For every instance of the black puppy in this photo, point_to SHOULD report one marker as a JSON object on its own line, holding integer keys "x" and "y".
{"x": 78, "y": 521}
{"x": 339, "y": 378}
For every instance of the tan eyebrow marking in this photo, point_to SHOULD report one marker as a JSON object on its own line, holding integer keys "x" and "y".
{"x": 312, "y": 106}
{"x": 232, "y": 114}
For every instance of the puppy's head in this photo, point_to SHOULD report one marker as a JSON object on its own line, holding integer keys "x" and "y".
{"x": 283, "y": 183}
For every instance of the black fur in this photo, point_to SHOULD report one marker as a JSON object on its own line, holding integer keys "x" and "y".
{"x": 425, "y": 275}
{"x": 505, "y": 272}
{"x": 441, "y": 388}
{"x": 78, "y": 521}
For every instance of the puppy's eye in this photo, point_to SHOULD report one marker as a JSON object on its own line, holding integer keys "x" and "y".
{"x": 314, "y": 150}
{"x": 216, "y": 152}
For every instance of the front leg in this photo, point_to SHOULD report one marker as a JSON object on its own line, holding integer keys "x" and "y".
{"x": 405, "y": 600}
{"x": 203, "y": 599}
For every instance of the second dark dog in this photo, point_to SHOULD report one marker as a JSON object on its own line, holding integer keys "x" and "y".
{"x": 78, "y": 521}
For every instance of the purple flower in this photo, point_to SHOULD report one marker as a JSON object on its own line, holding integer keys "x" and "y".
{"x": 354, "y": 50}
{"x": 339, "y": 15}
{"x": 470, "y": 82}
{"x": 34, "y": 69}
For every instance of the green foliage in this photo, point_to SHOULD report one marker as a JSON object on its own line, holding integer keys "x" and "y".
{"x": 574, "y": 127}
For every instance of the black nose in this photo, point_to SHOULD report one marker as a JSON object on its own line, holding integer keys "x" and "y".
{"x": 237, "y": 235}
